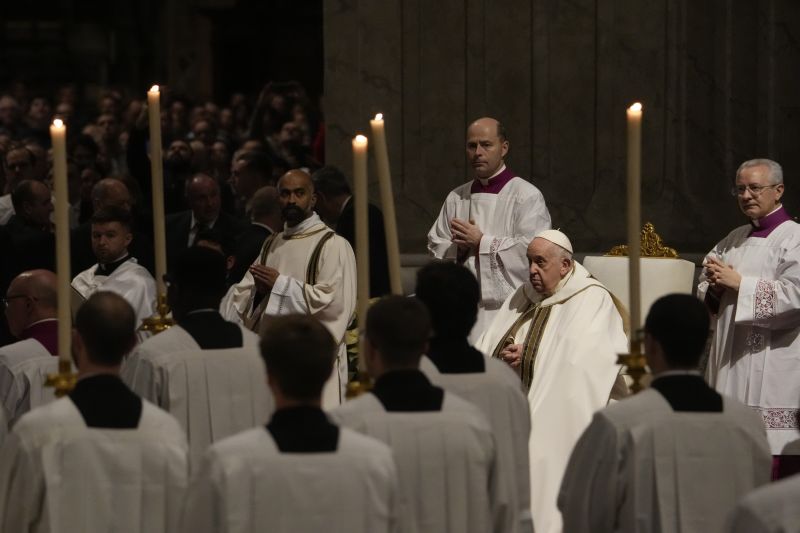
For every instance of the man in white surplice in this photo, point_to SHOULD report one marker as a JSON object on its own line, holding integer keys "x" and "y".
{"x": 101, "y": 459}
{"x": 561, "y": 332}
{"x": 673, "y": 459}
{"x": 751, "y": 284}
{"x": 301, "y": 472}
{"x": 205, "y": 371}
{"x": 116, "y": 270}
{"x": 451, "y": 294}
{"x": 486, "y": 224}
{"x": 305, "y": 269}
{"x": 443, "y": 446}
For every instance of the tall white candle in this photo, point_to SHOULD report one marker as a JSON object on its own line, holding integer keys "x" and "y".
{"x": 58, "y": 135}
{"x": 362, "y": 227}
{"x": 157, "y": 173}
{"x": 387, "y": 202}
{"x": 634, "y": 180}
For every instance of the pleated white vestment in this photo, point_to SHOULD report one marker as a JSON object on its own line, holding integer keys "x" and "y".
{"x": 773, "y": 508}
{"x": 245, "y": 484}
{"x": 755, "y": 346}
{"x": 24, "y": 367}
{"x": 498, "y": 393}
{"x": 59, "y": 476}
{"x": 508, "y": 220}
{"x": 212, "y": 393}
{"x": 642, "y": 467}
{"x": 446, "y": 463}
{"x": 332, "y": 299}
{"x": 571, "y": 377}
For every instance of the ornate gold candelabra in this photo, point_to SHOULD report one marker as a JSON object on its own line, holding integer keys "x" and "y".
{"x": 652, "y": 245}
{"x": 63, "y": 381}
{"x": 161, "y": 321}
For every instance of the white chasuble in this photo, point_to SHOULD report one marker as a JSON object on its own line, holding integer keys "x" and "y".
{"x": 245, "y": 484}
{"x": 446, "y": 463}
{"x": 641, "y": 467}
{"x": 331, "y": 297}
{"x": 755, "y": 346}
{"x": 570, "y": 376}
{"x": 497, "y": 392}
{"x": 24, "y": 367}
{"x": 130, "y": 280}
{"x": 772, "y": 508}
{"x": 212, "y": 393}
{"x": 59, "y": 476}
{"x": 508, "y": 220}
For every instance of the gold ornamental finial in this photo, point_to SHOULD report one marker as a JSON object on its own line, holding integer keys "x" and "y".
{"x": 63, "y": 381}
{"x": 652, "y": 245}
{"x": 161, "y": 321}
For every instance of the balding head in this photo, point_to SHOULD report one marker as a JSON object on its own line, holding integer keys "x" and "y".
{"x": 106, "y": 326}
{"x": 31, "y": 297}
{"x": 265, "y": 203}
{"x": 111, "y": 192}
{"x": 487, "y": 147}
{"x": 203, "y": 197}
{"x": 297, "y": 198}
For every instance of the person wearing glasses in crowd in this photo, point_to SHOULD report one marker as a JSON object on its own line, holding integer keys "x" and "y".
{"x": 751, "y": 284}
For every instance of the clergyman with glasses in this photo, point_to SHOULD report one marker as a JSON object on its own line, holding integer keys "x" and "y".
{"x": 751, "y": 284}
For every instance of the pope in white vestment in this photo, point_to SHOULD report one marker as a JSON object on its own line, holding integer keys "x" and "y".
{"x": 312, "y": 271}
{"x": 486, "y": 224}
{"x": 562, "y": 332}
{"x": 755, "y": 347}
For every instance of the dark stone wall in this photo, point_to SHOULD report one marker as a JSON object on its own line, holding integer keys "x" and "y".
{"x": 719, "y": 81}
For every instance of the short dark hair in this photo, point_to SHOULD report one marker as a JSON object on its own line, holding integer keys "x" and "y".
{"x": 199, "y": 275}
{"x": 22, "y": 193}
{"x": 330, "y": 181}
{"x": 680, "y": 324}
{"x": 260, "y": 163}
{"x": 112, "y": 213}
{"x": 451, "y": 294}
{"x": 399, "y": 327}
{"x": 215, "y": 236}
{"x": 298, "y": 352}
{"x": 21, "y": 148}
{"x": 107, "y": 324}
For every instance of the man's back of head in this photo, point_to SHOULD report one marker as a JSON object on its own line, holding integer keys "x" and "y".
{"x": 31, "y": 297}
{"x": 264, "y": 205}
{"x": 298, "y": 352}
{"x": 32, "y": 202}
{"x": 111, "y": 192}
{"x": 397, "y": 332}
{"x": 198, "y": 280}
{"x": 106, "y": 326}
{"x": 451, "y": 294}
{"x": 679, "y": 324}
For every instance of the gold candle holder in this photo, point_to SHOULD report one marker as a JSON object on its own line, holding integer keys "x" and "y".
{"x": 161, "y": 321}
{"x": 64, "y": 381}
{"x": 358, "y": 386}
{"x": 635, "y": 363}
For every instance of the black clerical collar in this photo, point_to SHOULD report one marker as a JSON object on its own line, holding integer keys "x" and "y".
{"x": 455, "y": 356}
{"x": 303, "y": 429}
{"x": 104, "y": 401}
{"x": 108, "y": 268}
{"x": 687, "y": 391}
{"x": 407, "y": 390}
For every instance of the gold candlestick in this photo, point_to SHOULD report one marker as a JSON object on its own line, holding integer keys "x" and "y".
{"x": 63, "y": 381}
{"x": 161, "y": 321}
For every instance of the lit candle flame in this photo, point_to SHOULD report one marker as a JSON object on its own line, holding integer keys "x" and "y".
{"x": 154, "y": 89}
{"x": 360, "y": 139}
{"x": 379, "y": 116}
{"x": 637, "y": 107}
{"x": 58, "y": 123}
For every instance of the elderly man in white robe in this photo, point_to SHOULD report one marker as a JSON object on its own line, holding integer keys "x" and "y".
{"x": 485, "y": 224}
{"x": 561, "y": 332}
{"x": 673, "y": 459}
{"x": 301, "y": 472}
{"x": 305, "y": 269}
{"x": 31, "y": 310}
{"x": 443, "y": 446}
{"x": 116, "y": 270}
{"x": 751, "y": 284}
{"x": 451, "y": 294}
{"x": 101, "y": 459}
{"x": 205, "y": 371}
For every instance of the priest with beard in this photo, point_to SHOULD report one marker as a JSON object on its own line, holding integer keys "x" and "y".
{"x": 305, "y": 269}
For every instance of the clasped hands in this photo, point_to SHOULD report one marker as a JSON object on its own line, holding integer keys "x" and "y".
{"x": 512, "y": 355}
{"x": 264, "y": 277}
{"x": 466, "y": 235}
{"x": 721, "y": 276}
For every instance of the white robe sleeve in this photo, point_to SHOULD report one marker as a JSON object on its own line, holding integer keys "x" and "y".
{"x": 10, "y": 394}
{"x": 143, "y": 378}
{"x": 589, "y": 490}
{"x": 771, "y": 303}
{"x": 21, "y": 487}
{"x": 440, "y": 244}
{"x": 202, "y": 511}
{"x": 744, "y": 520}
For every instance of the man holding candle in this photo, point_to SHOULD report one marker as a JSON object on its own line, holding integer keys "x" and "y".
{"x": 486, "y": 223}
{"x": 305, "y": 269}
{"x": 751, "y": 284}
{"x": 561, "y": 332}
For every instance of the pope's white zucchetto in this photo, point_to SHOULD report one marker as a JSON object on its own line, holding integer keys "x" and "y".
{"x": 556, "y": 237}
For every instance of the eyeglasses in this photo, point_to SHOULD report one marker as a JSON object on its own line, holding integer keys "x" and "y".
{"x": 754, "y": 190}
{"x": 8, "y": 299}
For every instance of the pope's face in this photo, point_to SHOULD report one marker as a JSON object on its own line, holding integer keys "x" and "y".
{"x": 485, "y": 150}
{"x": 547, "y": 266}
{"x": 757, "y": 204}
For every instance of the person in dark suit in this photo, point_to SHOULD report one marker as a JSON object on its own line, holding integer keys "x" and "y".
{"x": 30, "y": 228}
{"x": 205, "y": 212}
{"x": 335, "y": 207}
{"x": 265, "y": 219}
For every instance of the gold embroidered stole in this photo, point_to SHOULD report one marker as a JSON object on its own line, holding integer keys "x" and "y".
{"x": 538, "y": 316}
